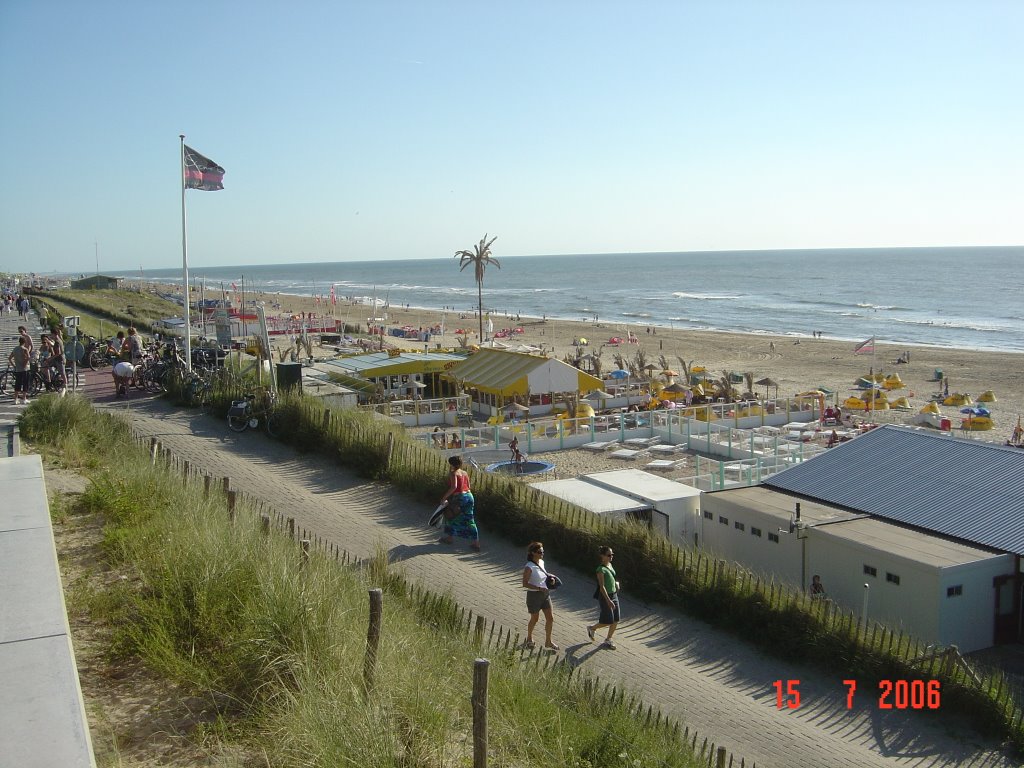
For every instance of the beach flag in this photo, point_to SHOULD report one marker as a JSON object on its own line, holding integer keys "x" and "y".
{"x": 334, "y": 299}
{"x": 201, "y": 172}
{"x": 865, "y": 347}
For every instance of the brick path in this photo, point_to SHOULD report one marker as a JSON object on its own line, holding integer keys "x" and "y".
{"x": 710, "y": 680}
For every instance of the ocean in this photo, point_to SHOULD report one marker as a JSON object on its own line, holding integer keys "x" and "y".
{"x": 967, "y": 298}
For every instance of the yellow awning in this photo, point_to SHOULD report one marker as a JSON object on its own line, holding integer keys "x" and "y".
{"x": 506, "y": 374}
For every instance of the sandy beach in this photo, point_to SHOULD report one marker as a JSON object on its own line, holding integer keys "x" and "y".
{"x": 796, "y": 364}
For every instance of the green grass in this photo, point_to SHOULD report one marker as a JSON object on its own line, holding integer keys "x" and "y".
{"x": 277, "y": 645}
{"x": 104, "y": 312}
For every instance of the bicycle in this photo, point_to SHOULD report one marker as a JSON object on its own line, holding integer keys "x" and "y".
{"x": 247, "y": 413}
{"x": 36, "y": 384}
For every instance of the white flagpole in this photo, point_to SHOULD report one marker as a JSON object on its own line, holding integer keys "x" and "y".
{"x": 184, "y": 262}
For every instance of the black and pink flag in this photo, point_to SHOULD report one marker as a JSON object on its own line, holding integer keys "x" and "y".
{"x": 201, "y": 172}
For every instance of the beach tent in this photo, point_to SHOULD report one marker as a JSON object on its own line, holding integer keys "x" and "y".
{"x": 768, "y": 382}
{"x": 502, "y": 374}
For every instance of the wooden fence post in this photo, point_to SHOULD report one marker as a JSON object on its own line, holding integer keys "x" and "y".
{"x": 154, "y": 449}
{"x": 305, "y": 552}
{"x": 720, "y": 761}
{"x": 478, "y": 631}
{"x": 207, "y": 482}
{"x": 480, "y": 671}
{"x": 226, "y": 484}
{"x": 291, "y": 527}
{"x": 327, "y": 420}
{"x": 373, "y": 637}
{"x": 265, "y": 524}
{"x": 185, "y": 467}
{"x": 389, "y": 449}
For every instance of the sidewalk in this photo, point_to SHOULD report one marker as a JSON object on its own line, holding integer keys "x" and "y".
{"x": 710, "y": 680}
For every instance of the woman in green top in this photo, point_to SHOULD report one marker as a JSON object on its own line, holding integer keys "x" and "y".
{"x": 607, "y": 595}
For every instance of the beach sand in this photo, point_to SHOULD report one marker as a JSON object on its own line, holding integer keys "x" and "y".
{"x": 796, "y": 364}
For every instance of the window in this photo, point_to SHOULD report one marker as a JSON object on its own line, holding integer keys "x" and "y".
{"x": 755, "y": 531}
{"x": 870, "y": 570}
{"x": 739, "y": 526}
{"x": 955, "y": 591}
{"x": 892, "y": 578}
{"x": 708, "y": 515}
{"x": 773, "y": 537}
{"x": 723, "y": 520}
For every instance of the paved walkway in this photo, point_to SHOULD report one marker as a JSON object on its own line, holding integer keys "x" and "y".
{"x": 710, "y": 680}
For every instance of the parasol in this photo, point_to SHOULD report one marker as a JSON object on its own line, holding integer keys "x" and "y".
{"x": 618, "y": 374}
{"x": 976, "y": 410}
{"x": 768, "y": 382}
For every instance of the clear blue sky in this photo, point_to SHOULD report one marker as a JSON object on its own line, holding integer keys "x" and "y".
{"x": 386, "y": 130}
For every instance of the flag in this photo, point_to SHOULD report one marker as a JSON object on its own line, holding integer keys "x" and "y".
{"x": 201, "y": 172}
{"x": 334, "y": 299}
{"x": 865, "y": 347}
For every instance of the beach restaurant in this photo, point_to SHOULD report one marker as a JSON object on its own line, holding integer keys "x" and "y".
{"x": 496, "y": 378}
{"x": 395, "y": 373}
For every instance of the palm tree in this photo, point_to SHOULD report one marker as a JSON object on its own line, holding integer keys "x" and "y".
{"x": 479, "y": 257}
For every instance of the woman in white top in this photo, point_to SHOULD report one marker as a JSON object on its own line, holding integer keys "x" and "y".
{"x": 535, "y": 582}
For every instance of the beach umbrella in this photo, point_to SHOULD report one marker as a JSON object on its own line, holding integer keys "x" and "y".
{"x": 675, "y": 388}
{"x": 598, "y": 394}
{"x": 517, "y": 407}
{"x": 669, "y": 372}
{"x": 618, "y": 374}
{"x": 768, "y": 382}
{"x": 976, "y": 410}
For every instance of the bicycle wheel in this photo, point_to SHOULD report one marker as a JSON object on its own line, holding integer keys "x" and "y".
{"x": 272, "y": 423}
{"x": 238, "y": 423}
{"x": 3, "y": 381}
{"x": 36, "y": 383}
{"x": 196, "y": 392}
{"x": 97, "y": 360}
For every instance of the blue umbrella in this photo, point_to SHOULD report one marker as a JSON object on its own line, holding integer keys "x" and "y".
{"x": 976, "y": 410}
{"x": 618, "y": 374}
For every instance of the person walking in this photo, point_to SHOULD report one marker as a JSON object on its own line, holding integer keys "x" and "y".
{"x": 20, "y": 360}
{"x": 463, "y": 521}
{"x": 607, "y": 595}
{"x": 538, "y": 595}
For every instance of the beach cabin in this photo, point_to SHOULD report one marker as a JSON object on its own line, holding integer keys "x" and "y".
{"x": 497, "y": 378}
{"x": 932, "y": 524}
{"x": 598, "y": 500}
{"x": 96, "y": 282}
{"x": 676, "y": 507}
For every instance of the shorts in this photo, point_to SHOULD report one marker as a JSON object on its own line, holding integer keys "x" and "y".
{"x": 21, "y": 381}
{"x": 123, "y": 370}
{"x": 537, "y": 601}
{"x": 610, "y": 615}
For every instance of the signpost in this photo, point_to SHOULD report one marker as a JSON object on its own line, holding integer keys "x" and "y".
{"x": 71, "y": 325}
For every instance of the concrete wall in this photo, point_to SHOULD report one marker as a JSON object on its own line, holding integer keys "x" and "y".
{"x": 968, "y": 620}
{"x": 781, "y": 559}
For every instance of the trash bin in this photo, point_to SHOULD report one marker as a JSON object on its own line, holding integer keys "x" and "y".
{"x": 945, "y": 425}
{"x": 938, "y": 374}
{"x": 289, "y": 376}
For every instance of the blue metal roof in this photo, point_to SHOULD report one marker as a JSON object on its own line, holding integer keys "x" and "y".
{"x": 966, "y": 489}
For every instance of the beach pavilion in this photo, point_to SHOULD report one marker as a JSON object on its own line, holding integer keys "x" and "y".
{"x": 394, "y": 373}
{"x": 495, "y": 378}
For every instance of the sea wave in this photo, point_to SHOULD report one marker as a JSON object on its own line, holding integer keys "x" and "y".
{"x": 707, "y": 296}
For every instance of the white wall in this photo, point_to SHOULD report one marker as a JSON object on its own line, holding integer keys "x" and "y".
{"x": 757, "y": 553}
{"x": 968, "y": 620}
{"x": 909, "y": 605}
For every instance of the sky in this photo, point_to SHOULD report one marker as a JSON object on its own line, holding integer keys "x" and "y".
{"x": 355, "y": 131}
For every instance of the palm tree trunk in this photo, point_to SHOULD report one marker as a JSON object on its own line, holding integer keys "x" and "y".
{"x": 480, "y": 309}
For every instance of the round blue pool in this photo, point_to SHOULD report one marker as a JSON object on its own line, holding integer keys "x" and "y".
{"x": 528, "y": 467}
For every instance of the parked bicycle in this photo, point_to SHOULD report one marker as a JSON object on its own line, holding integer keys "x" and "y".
{"x": 254, "y": 410}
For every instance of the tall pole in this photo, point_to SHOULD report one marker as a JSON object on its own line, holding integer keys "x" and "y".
{"x": 184, "y": 262}
{"x": 97, "y": 245}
